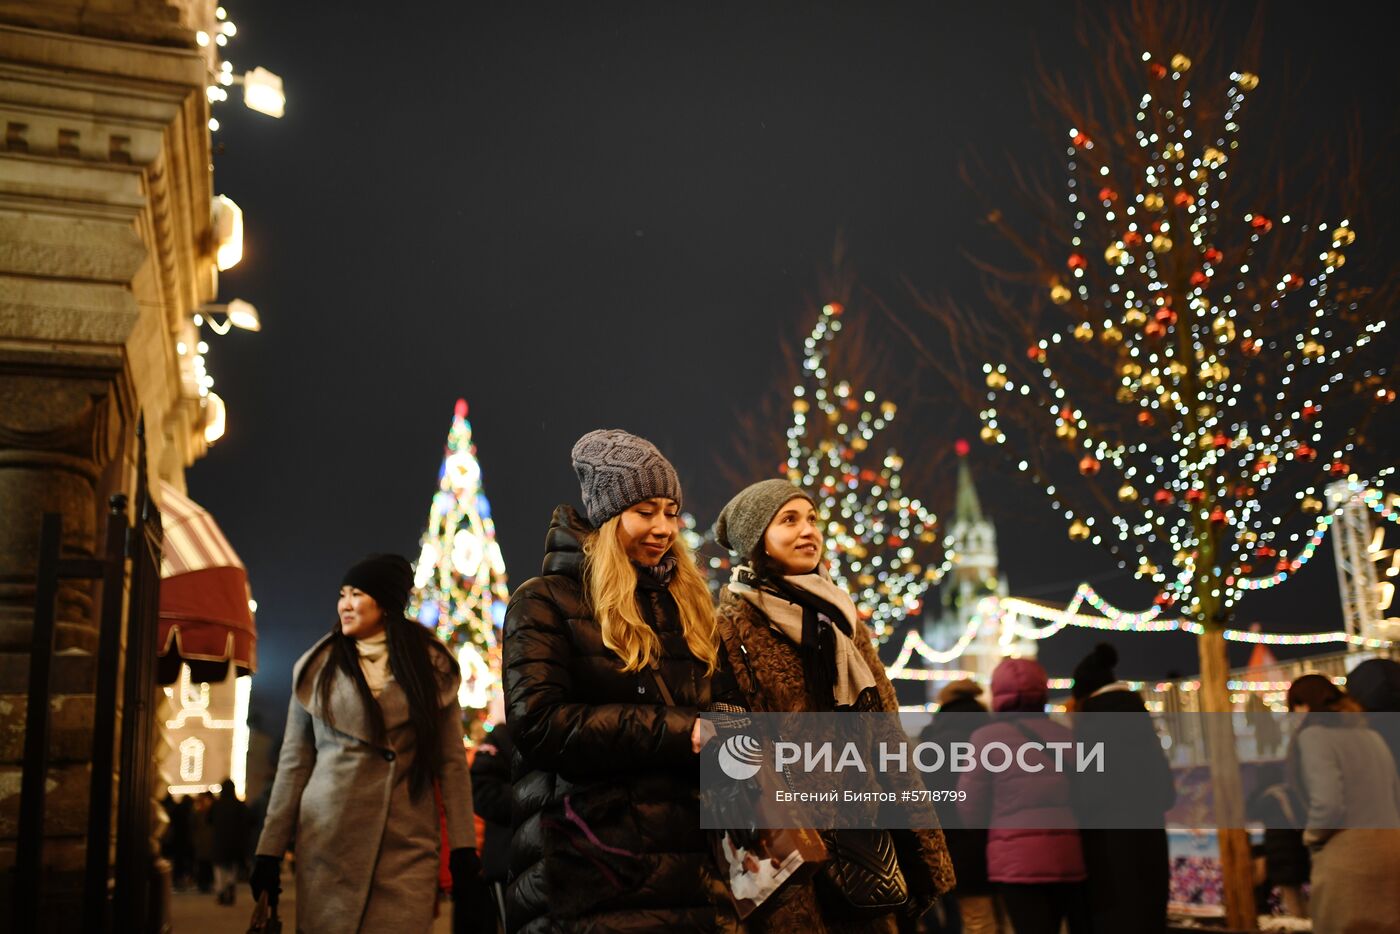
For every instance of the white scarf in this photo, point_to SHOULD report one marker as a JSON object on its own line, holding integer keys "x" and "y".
{"x": 374, "y": 660}
{"x": 853, "y": 674}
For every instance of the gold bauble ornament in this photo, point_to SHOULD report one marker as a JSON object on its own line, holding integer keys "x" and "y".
{"x": 1313, "y": 350}
{"x": 1146, "y": 568}
{"x": 1224, "y": 329}
{"x": 1078, "y": 531}
{"x": 1247, "y": 80}
{"x": 1180, "y": 62}
{"x": 1312, "y": 505}
{"x": 1134, "y": 317}
{"x": 987, "y": 434}
{"x": 1060, "y": 293}
{"x": 1127, "y": 493}
{"x": 1161, "y": 243}
{"x": 1114, "y": 254}
{"x": 1175, "y": 153}
{"x": 859, "y": 444}
{"x": 1150, "y": 380}
{"x": 1153, "y": 202}
{"x": 1066, "y": 431}
{"x": 1343, "y": 236}
{"x": 800, "y": 405}
{"x": 996, "y": 380}
{"x": 1213, "y": 157}
{"x": 1111, "y": 335}
{"x": 887, "y": 409}
{"x": 1336, "y": 259}
{"x": 1125, "y": 395}
{"x": 1130, "y": 370}
{"x": 1084, "y": 332}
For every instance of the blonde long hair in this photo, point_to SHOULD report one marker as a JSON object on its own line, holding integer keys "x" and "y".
{"x": 611, "y": 581}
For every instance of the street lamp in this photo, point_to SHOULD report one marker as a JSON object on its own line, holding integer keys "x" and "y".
{"x": 237, "y": 314}
{"x": 262, "y": 91}
{"x": 226, "y": 222}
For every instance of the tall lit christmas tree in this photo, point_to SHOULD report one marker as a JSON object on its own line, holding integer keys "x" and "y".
{"x": 460, "y": 578}
{"x": 1196, "y": 368}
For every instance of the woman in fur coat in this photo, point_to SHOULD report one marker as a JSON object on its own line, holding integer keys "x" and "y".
{"x": 796, "y": 644}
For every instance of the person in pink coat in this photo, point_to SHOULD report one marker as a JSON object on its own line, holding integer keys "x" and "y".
{"x": 1033, "y": 850}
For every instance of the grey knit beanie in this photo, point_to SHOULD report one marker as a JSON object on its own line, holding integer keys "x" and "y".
{"x": 617, "y": 470}
{"x": 743, "y": 521}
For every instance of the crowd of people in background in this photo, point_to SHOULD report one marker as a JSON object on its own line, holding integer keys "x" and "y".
{"x": 586, "y": 798}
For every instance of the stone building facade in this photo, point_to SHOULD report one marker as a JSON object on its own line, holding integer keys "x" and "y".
{"x": 106, "y": 251}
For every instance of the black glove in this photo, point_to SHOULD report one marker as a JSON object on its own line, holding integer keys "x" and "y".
{"x": 473, "y": 907}
{"x": 266, "y": 877}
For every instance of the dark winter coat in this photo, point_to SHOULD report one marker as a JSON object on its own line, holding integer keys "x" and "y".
{"x": 229, "y": 818}
{"x": 1032, "y": 837}
{"x": 606, "y": 787}
{"x": 491, "y": 798}
{"x": 1129, "y": 867}
{"x": 769, "y": 673}
{"x": 955, "y": 722}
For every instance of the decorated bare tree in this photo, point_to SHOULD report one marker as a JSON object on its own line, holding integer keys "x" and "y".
{"x": 1190, "y": 348}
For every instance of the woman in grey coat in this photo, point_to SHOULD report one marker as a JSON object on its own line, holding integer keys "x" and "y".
{"x": 1343, "y": 771}
{"x": 371, "y": 728}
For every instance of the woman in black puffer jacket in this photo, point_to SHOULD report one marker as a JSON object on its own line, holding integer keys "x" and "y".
{"x": 609, "y": 656}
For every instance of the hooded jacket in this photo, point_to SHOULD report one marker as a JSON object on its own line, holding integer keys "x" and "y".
{"x": 606, "y": 787}
{"x": 1032, "y": 837}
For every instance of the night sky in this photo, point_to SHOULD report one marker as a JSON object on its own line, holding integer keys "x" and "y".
{"x": 587, "y": 216}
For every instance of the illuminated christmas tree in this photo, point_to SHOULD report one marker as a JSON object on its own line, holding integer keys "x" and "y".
{"x": 460, "y": 578}
{"x": 1195, "y": 369}
{"x": 882, "y": 544}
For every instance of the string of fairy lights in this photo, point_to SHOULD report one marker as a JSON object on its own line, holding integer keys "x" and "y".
{"x": 1182, "y": 347}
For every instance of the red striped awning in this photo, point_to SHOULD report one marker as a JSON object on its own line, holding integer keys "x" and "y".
{"x": 206, "y": 621}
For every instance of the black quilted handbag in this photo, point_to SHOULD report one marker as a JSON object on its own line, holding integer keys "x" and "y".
{"x": 862, "y": 871}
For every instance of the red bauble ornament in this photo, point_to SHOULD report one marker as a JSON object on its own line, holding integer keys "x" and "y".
{"x": 1195, "y": 496}
{"x": 1244, "y": 491}
{"x": 1132, "y": 238}
{"x": 1157, "y": 70}
{"x": 1066, "y": 413}
{"x": 1261, "y": 223}
{"x": 1076, "y": 261}
{"x": 1283, "y": 565}
{"x": 1213, "y": 256}
{"x": 1217, "y": 516}
{"x": 1310, "y": 412}
{"x": 1164, "y": 599}
{"x": 1166, "y": 316}
{"x": 1089, "y": 465}
{"x": 1293, "y": 281}
{"x": 1154, "y": 329}
{"x": 1221, "y": 442}
{"x": 1036, "y": 353}
{"x": 1182, "y": 198}
{"x": 851, "y": 405}
{"x": 1080, "y": 139}
{"x": 869, "y": 476}
{"x": 1107, "y": 194}
{"x": 1339, "y": 468}
{"x": 1264, "y": 551}
{"x": 1246, "y": 569}
{"x": 1162, "y": 497}
{"x": 1305, "y": 453}
{"x": 1250, "y": 347}
{"x": 836, "y": 308}
{"x": 1199, "y": 278}
{"x": 895, "y": 541}
{"x": 1145, "y": 418}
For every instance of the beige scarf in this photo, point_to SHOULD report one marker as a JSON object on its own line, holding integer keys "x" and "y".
{"x": 853, "y": 675}
{"x": 374, "y": 660}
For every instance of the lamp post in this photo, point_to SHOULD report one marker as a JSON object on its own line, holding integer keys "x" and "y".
{"x": 237, "y": 314}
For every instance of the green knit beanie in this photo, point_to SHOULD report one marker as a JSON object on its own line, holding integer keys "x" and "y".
{"x": 743, "y": 521}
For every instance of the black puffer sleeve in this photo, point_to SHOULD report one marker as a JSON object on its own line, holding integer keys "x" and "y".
{"x": 554, "y": 726}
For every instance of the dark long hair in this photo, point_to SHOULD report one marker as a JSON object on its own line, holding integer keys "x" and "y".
{"x": 413, "y": 668}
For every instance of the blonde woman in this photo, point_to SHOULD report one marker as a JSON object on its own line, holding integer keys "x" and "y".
{"x": 609, "y": 655}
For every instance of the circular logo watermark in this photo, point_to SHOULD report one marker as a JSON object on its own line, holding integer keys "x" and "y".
{"x": 740, "y": 757}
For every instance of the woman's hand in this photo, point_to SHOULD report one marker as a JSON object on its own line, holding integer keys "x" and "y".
{"x": 703, "y": 732}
